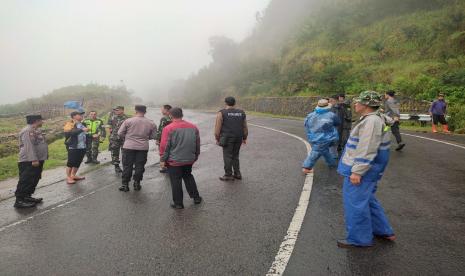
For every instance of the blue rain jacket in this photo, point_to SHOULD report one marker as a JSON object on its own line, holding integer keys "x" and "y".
{"x": 320, "y": 126}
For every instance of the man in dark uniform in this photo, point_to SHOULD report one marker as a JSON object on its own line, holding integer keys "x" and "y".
{"x": 96, "y": 132}
{"x": 346, "y": 121}
{"x": 116, "y": 143}
{"x": 230, "y": 133}
{"x": 33, "y": 151}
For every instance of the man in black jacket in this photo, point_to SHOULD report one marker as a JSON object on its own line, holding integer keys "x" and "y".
{"x": 230, "y": 133}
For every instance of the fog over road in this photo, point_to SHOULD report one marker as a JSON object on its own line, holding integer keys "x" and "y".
{"x": 93, "y": 229}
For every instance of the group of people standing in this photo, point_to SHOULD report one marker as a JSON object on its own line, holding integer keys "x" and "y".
{"x": 178, "y": 142}
{"x": 365, "y": 155}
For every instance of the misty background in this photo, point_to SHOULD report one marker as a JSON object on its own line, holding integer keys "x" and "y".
{"x": 143, "y": 44}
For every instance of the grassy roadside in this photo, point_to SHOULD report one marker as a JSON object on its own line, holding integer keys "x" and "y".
{"x": 57, "y": 155}
{"x": 57, "y": 158}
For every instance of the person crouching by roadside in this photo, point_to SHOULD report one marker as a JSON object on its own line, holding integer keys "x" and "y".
{"x": 136, "y": 133}
{"x": 179, "y": 150}
{"x": 33, "y": 151}
{"x": 320, "y": 126}
{"x": 76, "y": 144}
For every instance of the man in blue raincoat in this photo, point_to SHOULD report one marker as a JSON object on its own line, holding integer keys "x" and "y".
{"x": 365, "y": 157}
{"x": 320, "y": 126}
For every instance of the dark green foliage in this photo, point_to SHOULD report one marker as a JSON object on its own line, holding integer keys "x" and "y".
{"x": 321, "y": 47}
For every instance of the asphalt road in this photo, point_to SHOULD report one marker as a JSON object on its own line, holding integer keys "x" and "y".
{"x": 93, "y": 229}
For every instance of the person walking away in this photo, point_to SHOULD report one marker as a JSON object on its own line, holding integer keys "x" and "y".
{"x": 346, "y": 121}
{"x": 76, "y": 144}
{"x": 231, "y": 132}
{"x": 33, "y": 151}
{"x": 164, "y": 121}
{"x": 336, "y": 108}
{"x": 365, "y": 158}
{"x": 116, "y": 143}
{"x": 320, "y": 126}
{"x": 438, "y": 111}
{"x": 392, "y": 109}
{"x": 136, "y": 133}
{"x": 179, "y": 150}
{"x": 96, "y": 133}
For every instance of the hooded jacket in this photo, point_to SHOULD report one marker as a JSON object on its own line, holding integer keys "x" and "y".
{"x": 320, "y": 126}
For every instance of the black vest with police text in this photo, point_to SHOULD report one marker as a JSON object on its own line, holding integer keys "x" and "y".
{"x": 233, "y": 123}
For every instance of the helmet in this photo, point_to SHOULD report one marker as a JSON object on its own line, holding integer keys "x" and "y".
{"x": 369, "y": 98}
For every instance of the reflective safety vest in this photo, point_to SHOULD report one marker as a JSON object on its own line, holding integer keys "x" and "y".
{"x": 94, "y": 126}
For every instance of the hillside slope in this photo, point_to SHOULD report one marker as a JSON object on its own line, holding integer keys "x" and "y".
{"x": 326, "y": 47}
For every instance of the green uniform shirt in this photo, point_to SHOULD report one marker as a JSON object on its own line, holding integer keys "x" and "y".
{"x": 164, "y": 121}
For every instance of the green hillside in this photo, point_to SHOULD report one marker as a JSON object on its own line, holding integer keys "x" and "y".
{"x": 325, "y": 47}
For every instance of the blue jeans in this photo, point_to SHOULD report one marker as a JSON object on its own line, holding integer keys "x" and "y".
{"x": 316, "y": 153}
{"x": 364, "y": 215}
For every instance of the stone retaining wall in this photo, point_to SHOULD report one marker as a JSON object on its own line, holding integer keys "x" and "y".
{"x": 301, "y": 106}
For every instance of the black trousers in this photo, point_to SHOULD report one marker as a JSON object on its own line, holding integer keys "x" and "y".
{"x": 439, "y": 119}
{"x": 29, "y": 177}
{"x": 231, "y": 156}
{"x": 396, "y": 132}
{"x": 177, "y": 175}
{"x": 134, "y": 161}
{"x": 344, "y": 134}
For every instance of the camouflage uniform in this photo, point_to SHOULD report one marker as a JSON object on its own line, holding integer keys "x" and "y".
{"x": 116, "y": 143}
{"x": 95, "y": 127}
{"x": 164, "y": 121}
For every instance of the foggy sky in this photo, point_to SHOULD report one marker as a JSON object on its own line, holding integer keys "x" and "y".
{"x": 47, "y": 44}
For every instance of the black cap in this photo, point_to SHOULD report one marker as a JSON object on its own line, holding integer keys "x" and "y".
{"x": 230, "y": 101}
{"x": 119, "y": 107}
{"x": 140, "y": 108}
{"x": 391, "y": 93}
{"x": 30, "y": 119}
{"x": 74, "y": 113}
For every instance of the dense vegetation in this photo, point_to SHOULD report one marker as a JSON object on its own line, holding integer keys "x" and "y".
{"x": 320, "y": 47}
{"x": 93, "y": 96}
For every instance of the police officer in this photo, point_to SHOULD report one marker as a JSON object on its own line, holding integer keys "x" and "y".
{"x": 230, "y": 133}
{"x": 116, "y": 143}
{"x": 96, "y": 132}
{"x": 365, "y": 158}
{"x": 33, "y": 151}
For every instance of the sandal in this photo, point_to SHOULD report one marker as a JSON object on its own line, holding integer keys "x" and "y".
{"x": 78, "y": 178}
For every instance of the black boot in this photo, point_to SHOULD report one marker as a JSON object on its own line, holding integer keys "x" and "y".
{"x": 137, "y": 185}
{"x": 88, "y": 161}
{"x": 95, "y": 161}
{"x": 33, "y": 199}
{"x": 21, "y": 203}
{"x": 124, "y": 187}
{"x": 118, "y": 169}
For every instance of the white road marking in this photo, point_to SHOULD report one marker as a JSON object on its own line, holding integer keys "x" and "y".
{"x": 435, "y": 140}
{"x": 51, "y": 209}
{"x": 287, "y": 246}
{"x": 3, "y": 228}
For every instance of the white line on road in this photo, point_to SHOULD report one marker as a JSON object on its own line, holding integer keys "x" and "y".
{"x": 51, "y": 209}
{"x": 287, "y": 246}
{"x": 435, "y": 140}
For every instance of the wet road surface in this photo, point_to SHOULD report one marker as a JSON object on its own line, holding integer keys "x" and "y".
{"x": 93, "y": 229}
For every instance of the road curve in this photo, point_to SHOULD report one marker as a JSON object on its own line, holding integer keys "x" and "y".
{"x": 93, "y": 229}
